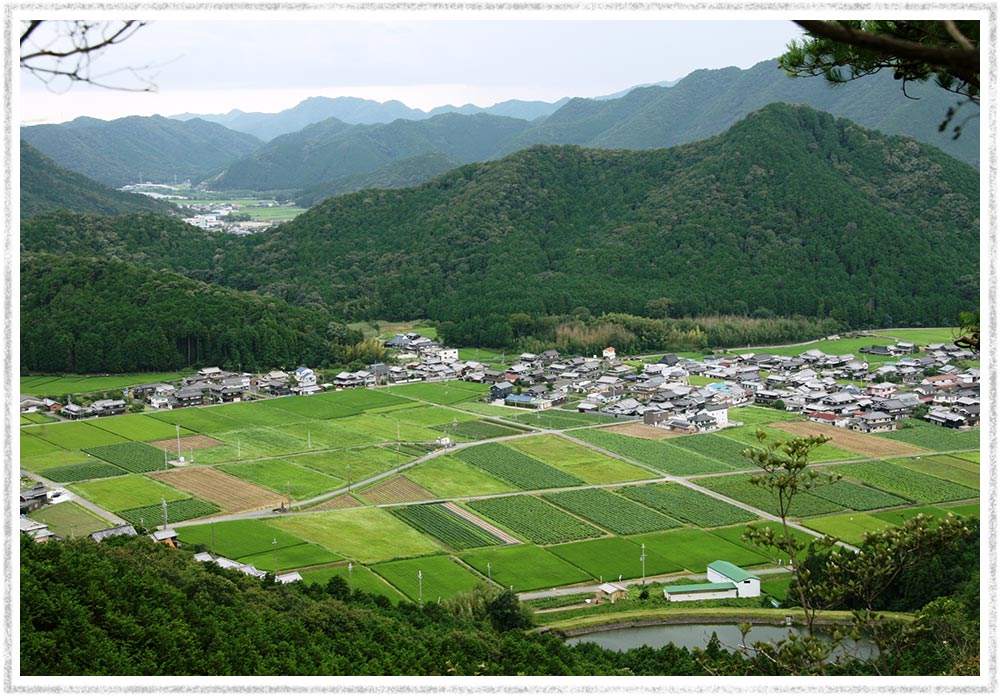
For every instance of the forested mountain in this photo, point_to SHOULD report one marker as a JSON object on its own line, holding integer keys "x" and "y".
{"x": 47, "y": 186}
{"x": 789, "y": 212}
{"x": 332, "y": 149}
{"x": 86, "y": 315}
{"x": 154, "y": 148}
{"x": 353, "y": 110}
{"x": 399, "y": 174}
{"x": 707, "y": 102}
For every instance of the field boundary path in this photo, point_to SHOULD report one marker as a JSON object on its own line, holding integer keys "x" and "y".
{"x": 481, "y": 523}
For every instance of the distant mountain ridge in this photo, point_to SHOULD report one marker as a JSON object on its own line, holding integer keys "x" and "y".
{"x": 47, "y": 186}
{"x": 154, "y": 148}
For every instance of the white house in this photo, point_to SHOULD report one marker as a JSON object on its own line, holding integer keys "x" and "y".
{"x": 699, "y": 591}
{"x": 747, "y": 584}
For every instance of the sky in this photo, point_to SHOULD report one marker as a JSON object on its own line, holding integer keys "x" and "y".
{"x": 208, "y": 63}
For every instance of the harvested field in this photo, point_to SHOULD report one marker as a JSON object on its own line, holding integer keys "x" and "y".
{"x": 187, "y": 443}
{"x": 867, "y": 445}
{"x": 397, "y": 489}
{"x": 482, "y": 524}
{"x": 340, "y": 502}
{"x": 228, "y": 492}
{"x": 647, "y": 432}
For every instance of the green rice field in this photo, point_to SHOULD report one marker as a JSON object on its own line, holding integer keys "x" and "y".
{"x": 44, "y": 385}
{"x": 123, "y": 492}
{"x": 450, "y": 477}
{"x": 357, "y": 577}
{"x": 695, "y": 549}
{"x": 285, "y": 476}
{"x": 582, "y": 462}
{"x": 239, "y": 538}
{"x": 850, "y": 527}
{"x": 440, "y": 577}
{"x": 69, "y": 519}
{"x": 524, "y": 567}
{"x": 607, "y": 559}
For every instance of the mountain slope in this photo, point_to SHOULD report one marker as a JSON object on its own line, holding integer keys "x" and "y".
{"x": 331, "y": 149}
{"x": 154, "y": 148}
{"x": 46, "y": 186}
{"x": 707, "y": 102}
{"x": 789, "y": 212}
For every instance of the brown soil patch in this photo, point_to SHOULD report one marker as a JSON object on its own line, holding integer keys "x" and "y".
{"x": 228, "y": 492}
{"x": 187, "y": 443}
{"x": 398, "y": 489}
{"x": 482, "y": 524}
{"x": 340, "y": 502}
{"x": 647, "y": 432}
{"x": 850, "y": 440}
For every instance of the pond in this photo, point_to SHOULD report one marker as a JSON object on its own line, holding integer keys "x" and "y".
{"x": 696, "y": 636}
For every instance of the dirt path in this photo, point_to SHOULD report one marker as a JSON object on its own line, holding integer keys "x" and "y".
{"x": 482, "y": 524}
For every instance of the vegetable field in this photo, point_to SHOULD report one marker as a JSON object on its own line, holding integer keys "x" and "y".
{"x": 659, "y": 454}
{"x": 81, "y": 472}
{"x": 444, "y": 525}
{"x": 397, "y": 489}
{"x": 534, "y": 519}
{"x": 934, "y": 437}
{"x": 449, "y": 477}
{"x": 578, "y": 460}
{"x": 687, "y": 504}
{"x": 177, "y": 511}
{"x": 136, "y": 457}
{"x": 522, "y": 471}
{"x": 613, "y": 512}
{"x": 739, "y": 488}
{"x": 855, "y": 497}
{"x": 913, "y": 485}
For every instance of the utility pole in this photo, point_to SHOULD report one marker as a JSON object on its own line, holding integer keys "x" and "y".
{"x": 178, "y": 441}
{"x": 643, "y": 559}
{"x": 489, "y": 570}
{"x": 274, "y": 546}
{"x": 420, "y": 583}
{"x": 164, "y": 503}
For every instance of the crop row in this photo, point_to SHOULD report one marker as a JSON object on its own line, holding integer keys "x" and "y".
{"x": 137, "y": 457}
{"x": 910, "y": 484}
{"x": 620, "y": 515}
{"x": 446, "y": 526}
{"x": 656, "y": 453}
{"x": 739, "y": 488}
{"x": 81, "y": 472}
{"x": 856, "y": 497}
{"x": 535, "y": 519}
{"x": 476, "y": 430}
{"x": 687, "y": 504}
{"x": 723, "y": 449}
{"x": 518, "y": 469}
{"x": 177, "y": 511}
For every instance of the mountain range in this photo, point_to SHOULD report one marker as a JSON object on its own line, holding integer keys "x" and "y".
{"x": 789, "y": 212}
{"x": 703, "y": 104}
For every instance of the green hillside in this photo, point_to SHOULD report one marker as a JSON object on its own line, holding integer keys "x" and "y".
{"x": 47, "y": 186}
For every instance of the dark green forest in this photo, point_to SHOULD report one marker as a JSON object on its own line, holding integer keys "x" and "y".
{"x": 86, "y": 315}
{"x": 128, "y": 606}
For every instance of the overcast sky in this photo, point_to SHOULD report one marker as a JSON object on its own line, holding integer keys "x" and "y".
{"x": 211, "y": 63}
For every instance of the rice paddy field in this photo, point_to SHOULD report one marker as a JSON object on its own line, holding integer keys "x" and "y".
{"x": 532, "y": 510}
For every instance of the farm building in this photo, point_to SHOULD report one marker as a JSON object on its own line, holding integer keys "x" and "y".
{"x": 747, "y": 584}
{"x": 120, "y": 530}
{"x": 725, "y": 581}
{"x": 611, "y": 592}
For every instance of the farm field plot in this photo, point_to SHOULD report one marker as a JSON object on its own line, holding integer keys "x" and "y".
{"x": 214, "y": 455}
{"x": 55, "y": 458}
{"x": 747, "y": 436}
{"x": 558, "y": 419}
{"x": 41, "y": 385}
{"x": 850, "y": 528}
{"x": 524, "y": 567}
{"x": 641, "y": 430}
{"x": 659, "y": 454}
{"x": 734, "y": 535}
{"x": 505, "y": 412}
{"x": 755, "y": 415}
{"x": 259, "y": 413}
{"x": 913, "y": 485}
{"x": 613, "y": 512}
{"x": 315, "y": 406}
{"x": 231, "y": 494}
{"x": 81, "y": 472}
{"x": 138, "y": 427}
{"x": 607, "y": 559}
{"x": 69, "y": 520}
{"x": 188, "y": 443}
{"x": 284, "y": 477}
{"x": 238, "y": 538}
{"x": 968, "y": 456}
{"x": 137, "y": 457}
{"x": 385, "y": 428}
{"x": 449, "y": 477}
{"x": 739, "y": 488}
{"x": 921, "y": 337}
{"x": 431, "y": 416}
{"x": 364, "y": 534}
{"x": 964, "y": 509}
{"x": 263, "y": 442}
{"x": 518, "y": 469}
{"x": 397, "y": 489}
{"x": 366, "y": 399}
{"x": 77, "y": 435}
{"x": 32, "y": 446}
{"x": 441, "y": 577}
{"x": 199, "y": 420}
{"x": 945, "y": 467}
{"x": 123, "y": 492}
{"x": 694, "y": 549}
{"x": 580, "y": 461}
{"x": 855, "y": 497}
{"x": 477, "y": 429}
{"x": 898, "y": 515}
{"x": 352, "y": 464}
{"x": 445, "y": 526}
{"x": 37, "y": 419}
{"x": 340, "y": 502}
{"x": 686, "y": 504}
{"x": 444, "y": 393}
{"x": 325, "y": 435}
{"x": 534, "y": 520}
{"x": 934, "y": 437}
{"x": 301, "y": 555}
{"x": 850, "y": 440}
{"x": 357, "y": 577}
{"x": 777, "y": 588}
{"x": 177, "y": 511}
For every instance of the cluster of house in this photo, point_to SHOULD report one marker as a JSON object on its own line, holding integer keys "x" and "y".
{"x": 245, "y": 568}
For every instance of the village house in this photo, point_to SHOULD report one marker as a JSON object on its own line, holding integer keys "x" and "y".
{"x": 107, "y": 407}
